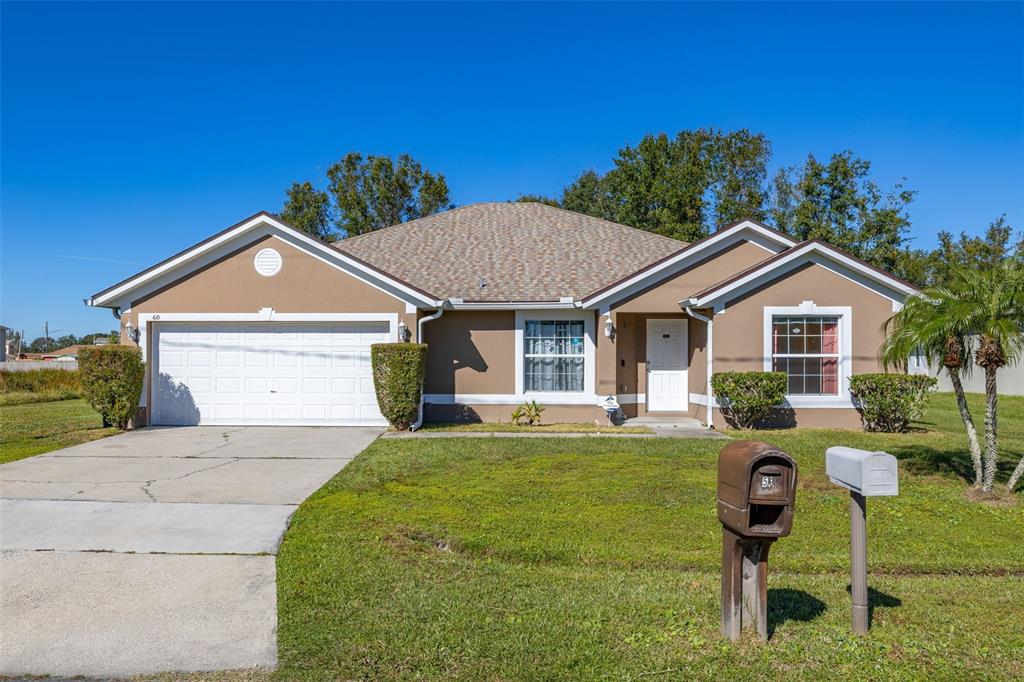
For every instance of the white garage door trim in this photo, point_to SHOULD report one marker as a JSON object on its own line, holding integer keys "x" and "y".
{"x": 267, "y": 315}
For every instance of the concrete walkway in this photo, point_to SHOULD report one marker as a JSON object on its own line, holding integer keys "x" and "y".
{"x": 154, "y": 550}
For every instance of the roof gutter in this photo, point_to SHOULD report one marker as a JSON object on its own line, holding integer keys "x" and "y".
{"x": 687, "y": 305}
{"x": 419, "y": 339}
{"x": 458, "y": 304}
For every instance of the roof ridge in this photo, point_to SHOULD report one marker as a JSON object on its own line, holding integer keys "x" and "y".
{"x": 602, "y": 220}
{"x": 411, "y": 222}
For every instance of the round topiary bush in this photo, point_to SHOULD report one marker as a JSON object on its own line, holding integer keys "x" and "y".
{"x": 398, "y": 373}
{"x": 112, "y": 381}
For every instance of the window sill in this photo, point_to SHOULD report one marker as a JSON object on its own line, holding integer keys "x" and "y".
{"x": 796, "y": 401}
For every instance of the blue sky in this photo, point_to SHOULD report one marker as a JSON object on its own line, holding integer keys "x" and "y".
{"x": 132, "y": 131}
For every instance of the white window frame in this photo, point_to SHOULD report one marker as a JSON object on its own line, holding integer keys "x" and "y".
{"x": 845, "y": 315}
{"x": 564, "y": 397}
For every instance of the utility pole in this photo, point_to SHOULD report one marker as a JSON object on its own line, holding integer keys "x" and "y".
{"x": 46, "y": 335}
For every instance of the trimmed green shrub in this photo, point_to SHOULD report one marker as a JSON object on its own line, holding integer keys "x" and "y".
{"x": 398, "y": 373}
{"x": 63, "y": 381}
{"x": 112, "y": 381}
{"x": 889, "y": 402}
{"x": 748, "y": 397}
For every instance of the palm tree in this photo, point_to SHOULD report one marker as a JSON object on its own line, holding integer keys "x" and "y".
{"x": 924, "y": 325}
{"x": 990, "y": 302}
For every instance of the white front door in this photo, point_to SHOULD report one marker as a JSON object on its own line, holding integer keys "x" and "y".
{"x": 666, "y": 366}
{"x": 265, "y": 373}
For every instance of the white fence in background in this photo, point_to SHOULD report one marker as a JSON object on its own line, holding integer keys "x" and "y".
{"x": 1009, "y": 380}
{"x": 35, "y": 365}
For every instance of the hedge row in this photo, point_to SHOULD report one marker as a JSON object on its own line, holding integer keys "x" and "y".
{"x": 41, "y": 381}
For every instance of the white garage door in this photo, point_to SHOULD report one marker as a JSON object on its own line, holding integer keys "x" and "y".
{"x": 311, "y": 374}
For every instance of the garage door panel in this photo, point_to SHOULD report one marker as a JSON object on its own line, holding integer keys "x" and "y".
{"x": 255, "y": 374}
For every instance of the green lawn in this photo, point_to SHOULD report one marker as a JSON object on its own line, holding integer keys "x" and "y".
{"x": 35, "y": 428}
{"x": 598, "y": 559}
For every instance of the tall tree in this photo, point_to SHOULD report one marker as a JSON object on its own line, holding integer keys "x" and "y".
{"x": 378, "y": 191}
{"x": 365, "y": 194}
{"x": 838, "y": 202}
{"x": 309, "y": 209}
{"x": 683, "y": 187}
{"x": 990, "y": 301}
{"x": 925, "y": 324}
{"x": 538, "y": 199}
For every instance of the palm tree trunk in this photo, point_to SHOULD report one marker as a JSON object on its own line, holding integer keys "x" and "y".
{"x": 1015, "y": 476}
{"x": 991, "y": 440}
{"x": 965, "y": 414}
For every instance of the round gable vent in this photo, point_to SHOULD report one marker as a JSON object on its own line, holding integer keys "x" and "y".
{"x": 267, "y": 262}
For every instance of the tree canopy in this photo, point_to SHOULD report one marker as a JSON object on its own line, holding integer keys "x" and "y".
{"x": 682, "y": 187}
{"x": 365, "y": 194}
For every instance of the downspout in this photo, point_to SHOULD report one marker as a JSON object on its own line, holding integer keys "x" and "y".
{"x": 419, "y": 339}
{"x": 709, "y": 412}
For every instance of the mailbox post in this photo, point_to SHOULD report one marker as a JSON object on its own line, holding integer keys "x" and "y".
{"x": 865, "y": 474}
{"x": 756, "y": 496}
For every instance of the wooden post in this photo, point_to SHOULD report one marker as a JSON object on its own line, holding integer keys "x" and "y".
{"x": 859, "y": 562}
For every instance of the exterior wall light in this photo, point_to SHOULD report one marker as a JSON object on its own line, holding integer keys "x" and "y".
{"x": 609, "y": 328}
{"x": 403, "y": 332}
{"x": 131, "y": 332}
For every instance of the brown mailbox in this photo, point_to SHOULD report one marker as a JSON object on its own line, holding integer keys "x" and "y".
{"x": 756, "y": 489}
{"x": 756, "y": 497}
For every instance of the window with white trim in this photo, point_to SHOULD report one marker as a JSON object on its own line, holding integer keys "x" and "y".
{"x": 806, "y": 347}
{"x": 553, "y": 355}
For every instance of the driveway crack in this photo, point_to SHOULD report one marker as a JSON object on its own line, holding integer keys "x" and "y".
{"x": 145, "y": 486}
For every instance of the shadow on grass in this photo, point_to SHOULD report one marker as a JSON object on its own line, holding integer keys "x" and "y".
{"x": 785, "y": 604}
{"x": 878, "y": 599}
{"x": 923, "y": 460}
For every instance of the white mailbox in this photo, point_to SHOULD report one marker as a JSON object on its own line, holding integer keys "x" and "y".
{"x": 867, "y": 473}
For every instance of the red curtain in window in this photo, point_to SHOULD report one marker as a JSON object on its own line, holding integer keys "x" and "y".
{"x": 829, "y": 336}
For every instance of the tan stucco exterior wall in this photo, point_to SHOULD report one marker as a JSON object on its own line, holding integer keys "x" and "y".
{"x": 739, "y": 334}
{"x": 739, "y": 329}
{"x": 553, "y": 414}
{"x": 304, "y": 284}
{"x": 471, "y": 352}
{"x": 231, "y": 285}
{"x": 665, "y": 296}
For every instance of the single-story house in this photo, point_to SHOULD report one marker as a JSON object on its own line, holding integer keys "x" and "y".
{"x": 263, "y": 324}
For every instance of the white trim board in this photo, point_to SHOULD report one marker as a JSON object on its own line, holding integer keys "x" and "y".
{"x": 809, "y": 252}
{"x": 511, "y": 398}
{"x": 744, "y": 231}
{"x": 589, "y": 355}
{"x": 792, "y": 401}
{"x": 254, "y": 228}
{"x": 845, "y": 315}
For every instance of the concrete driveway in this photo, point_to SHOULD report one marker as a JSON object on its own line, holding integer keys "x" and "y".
{"x": 154, "y": 550}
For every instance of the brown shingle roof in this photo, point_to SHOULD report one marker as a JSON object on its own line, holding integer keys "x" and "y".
{"x": 520, "y": 251}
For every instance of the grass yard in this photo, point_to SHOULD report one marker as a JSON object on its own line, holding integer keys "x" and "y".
{"x": 34, "y": 428}
{"x": 598, "y": 559}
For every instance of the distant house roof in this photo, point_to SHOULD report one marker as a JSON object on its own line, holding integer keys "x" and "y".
{"x": 68, "y": 351}
{"x": 519, "y": 251}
